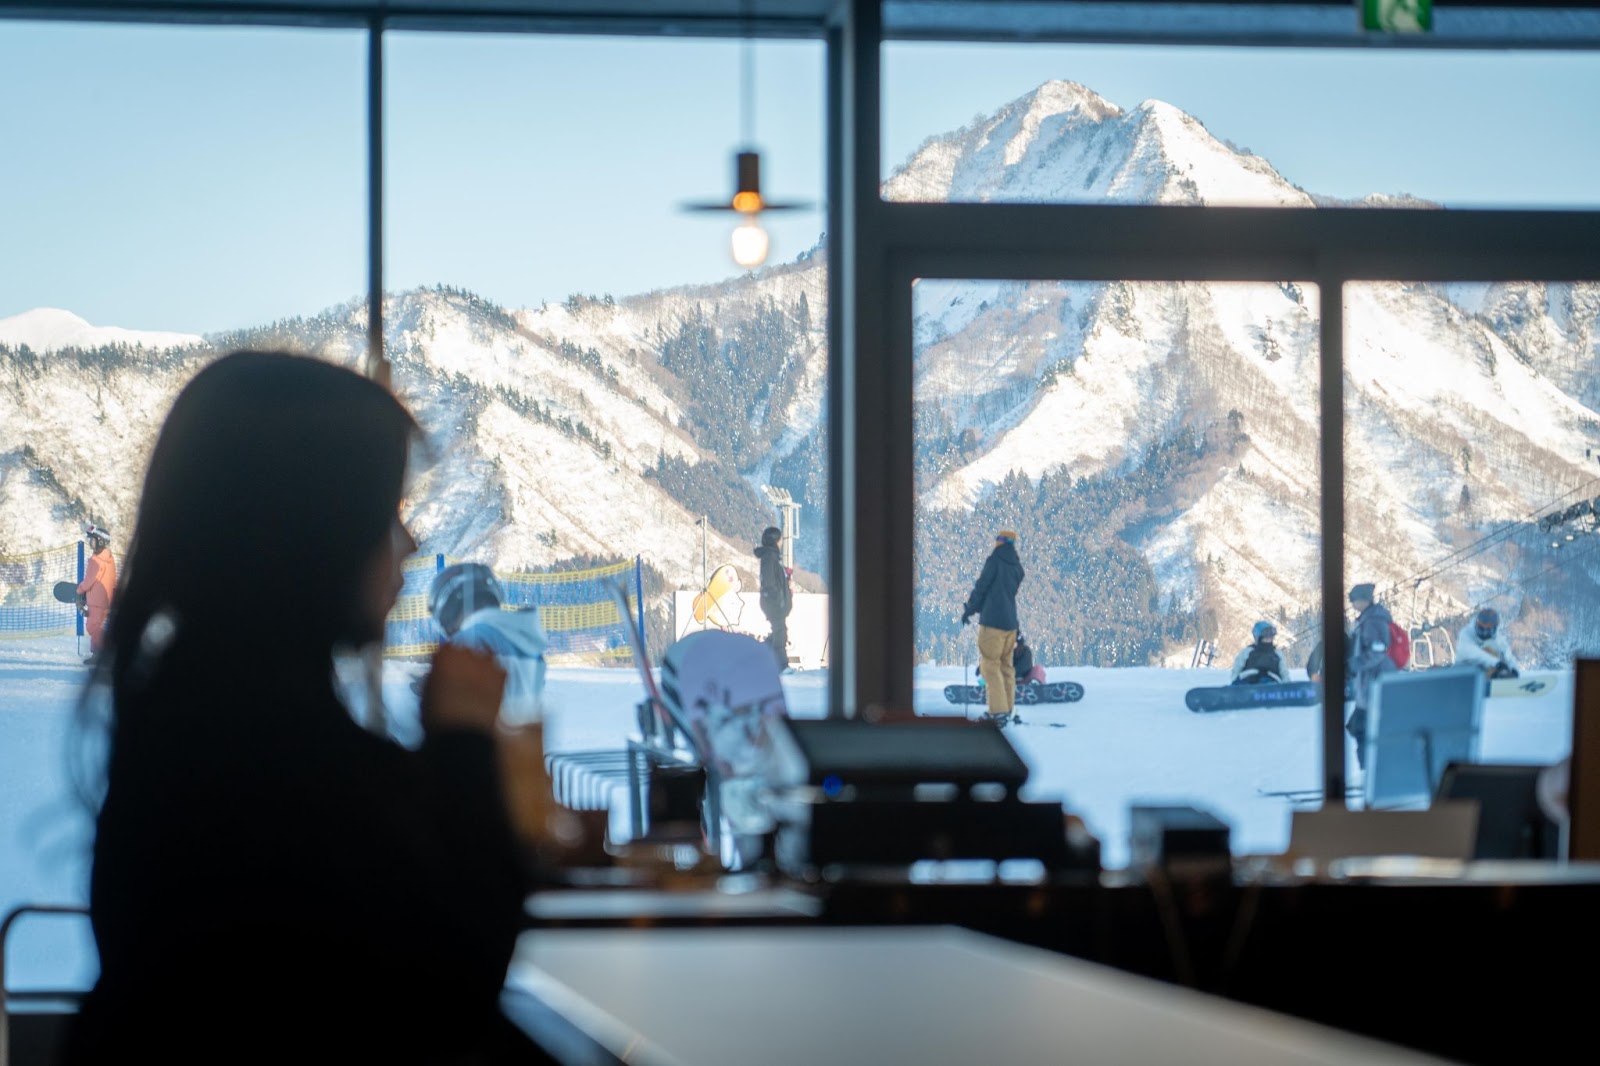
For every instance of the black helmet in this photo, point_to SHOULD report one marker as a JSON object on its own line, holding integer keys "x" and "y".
{"x": 98, "y": 536}
{"x": 1487, "y": 622}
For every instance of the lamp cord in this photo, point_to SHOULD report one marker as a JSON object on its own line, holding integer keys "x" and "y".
{"x": 747, "y": 75}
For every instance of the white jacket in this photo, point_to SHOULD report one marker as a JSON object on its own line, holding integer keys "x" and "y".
{"x": 1485, "y": 653}
{"x": 517, "y": 640}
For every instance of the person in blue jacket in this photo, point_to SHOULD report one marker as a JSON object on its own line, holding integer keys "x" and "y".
{"x": 994, "y": 601}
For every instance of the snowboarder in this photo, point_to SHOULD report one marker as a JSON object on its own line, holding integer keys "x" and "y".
{"x": 1261, "y": 663}
{"x": 994, "y": 601}
{"x": 98, "y": 587}
{"x": 1481, "y": 644}
{"x": 1369, "y": 659}
{"x": 465, "y": 599}
{"x": 1022, "y": 664}
{"x": 777, "y": 598}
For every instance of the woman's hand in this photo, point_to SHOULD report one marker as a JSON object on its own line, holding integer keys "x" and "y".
{"x": 463, "y": 690}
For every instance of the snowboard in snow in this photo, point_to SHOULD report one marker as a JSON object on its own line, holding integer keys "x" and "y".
{"x": 1050, "y": 692}
{"x": 66, "y": 591}
{"x": 1245, "y": 697}
{"x": 1526, "y": 685}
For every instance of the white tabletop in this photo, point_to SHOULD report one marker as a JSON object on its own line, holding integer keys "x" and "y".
{"x": 929, "y": 996}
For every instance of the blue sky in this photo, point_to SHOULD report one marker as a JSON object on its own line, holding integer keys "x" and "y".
{"x": 205, "y": 178}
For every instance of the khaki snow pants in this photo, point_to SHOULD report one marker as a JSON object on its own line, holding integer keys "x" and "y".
{"x": 994, "y": 666}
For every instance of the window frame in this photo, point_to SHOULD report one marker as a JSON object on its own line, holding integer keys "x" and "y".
{"x": 876, "y": 250}
{"x": 885, "y": 246}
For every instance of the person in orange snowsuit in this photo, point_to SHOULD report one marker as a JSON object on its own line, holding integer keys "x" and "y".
{"x": 99, "y": 585}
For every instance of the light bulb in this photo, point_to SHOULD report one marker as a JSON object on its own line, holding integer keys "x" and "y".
{"x": 749, "y": 243}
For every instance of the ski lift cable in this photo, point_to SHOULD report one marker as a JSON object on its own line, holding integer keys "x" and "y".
{"x": 1567, "y": 561}
{"x": 1502, "y": 533}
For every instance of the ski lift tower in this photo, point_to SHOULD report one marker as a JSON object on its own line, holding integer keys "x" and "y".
{"x": 791, "y": 520}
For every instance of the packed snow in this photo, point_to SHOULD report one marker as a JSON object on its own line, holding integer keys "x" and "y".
{"x": 1130, "y": 740}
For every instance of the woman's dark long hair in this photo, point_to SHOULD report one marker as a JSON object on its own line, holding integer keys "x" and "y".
{"x": 274, "y": 482}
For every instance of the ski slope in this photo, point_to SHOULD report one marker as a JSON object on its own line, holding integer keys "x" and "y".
{"x": 1130, "y": 740}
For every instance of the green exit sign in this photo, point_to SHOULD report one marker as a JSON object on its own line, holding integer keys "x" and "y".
{"x": 1397, "y": 16}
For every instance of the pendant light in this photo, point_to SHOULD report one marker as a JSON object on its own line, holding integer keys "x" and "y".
{"x": 750, "y": 242}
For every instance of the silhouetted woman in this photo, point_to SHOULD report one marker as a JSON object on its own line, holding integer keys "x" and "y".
{"x": 271, "y": 882}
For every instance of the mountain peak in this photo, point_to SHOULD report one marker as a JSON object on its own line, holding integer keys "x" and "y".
{"x": 1057, "y": 97}
{"x": 1065, "y": 143}
{"x": 47, "y": 329}
{"x": 1190, "y": 165}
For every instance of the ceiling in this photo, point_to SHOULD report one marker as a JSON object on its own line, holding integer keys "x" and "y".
{"x": 1563, "y": 24}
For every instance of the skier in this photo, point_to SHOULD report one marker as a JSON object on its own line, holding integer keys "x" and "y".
{"x": 465, "y": 599}
{"x": 1022, "y": 664}
{"x": 99, "y": 586}
{"x": 777, "y": 599}
{"x": 1261, "y": 663}
{"x": 1481, "y": 644}
{"x": 1369, "y": 659}
{"x": 994, "y": 601}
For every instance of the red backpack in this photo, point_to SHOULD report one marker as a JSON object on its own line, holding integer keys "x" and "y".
{"x": 1399, "y": 645}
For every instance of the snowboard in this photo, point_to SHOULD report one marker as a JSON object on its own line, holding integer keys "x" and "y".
{"x": 1526, "y": 685}
{"x": 66, "y": 591}
{"x": 1050, "y": 692}
{"x": 1244, "y": 697}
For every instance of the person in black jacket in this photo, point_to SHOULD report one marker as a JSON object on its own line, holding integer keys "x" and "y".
{"x": 1022, "y": 665}
{"x": 1369, "y": 660}
{"x": 777, "y": 600}
{"x": 1314, "y": 663}
{"x": 270, "y": 880}
{"x": 1260, "y": 663}
{"x": 994, "y": 601}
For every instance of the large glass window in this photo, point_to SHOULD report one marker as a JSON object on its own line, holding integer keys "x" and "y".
{"x": 169, "y": 193}
{"x": 1471, "y": 476}
{"x": 603, "y": 385}
{"x": 1153, "y": 447}
{"x": 1238, "y": 126}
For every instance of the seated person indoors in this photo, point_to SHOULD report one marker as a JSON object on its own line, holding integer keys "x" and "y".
{"x": 1022, "y": 662}
{"x": 1261, "y": 663}
{"x": 1481, "y": 643}
{"x": 271, "y": 882}
{"x": 465, "y": 599}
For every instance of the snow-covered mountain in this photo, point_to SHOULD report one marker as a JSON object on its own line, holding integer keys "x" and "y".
{"x": 553, "y": 434}
{"x": 1156, "y": 443}
{"x": 1064, "y": 143}
{"x": 1471, "y": 409}
{"x": 46, "y": 329}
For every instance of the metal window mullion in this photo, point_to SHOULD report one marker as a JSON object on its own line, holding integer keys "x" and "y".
{"x": 377, "y": 359}
{"x": 377, "y": 362}
{"x": 871, "y": 493}
{"x": 1331, "y": 488}
{"x": 1126, "y": 242}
